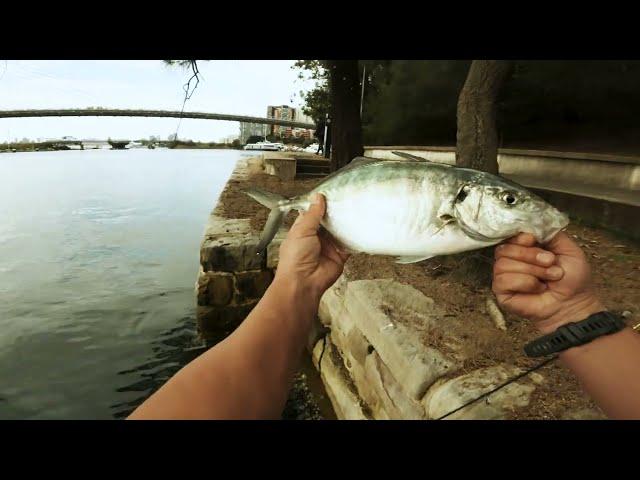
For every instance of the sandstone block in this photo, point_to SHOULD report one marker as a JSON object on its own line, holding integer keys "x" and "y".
{"x": 252, "y": 284}
{"x": 393, "y": 317}
{"x": 448, "y": 395}
{"x": 215, "y": 323}
{"x": 338, "y": 385}
{"x": 230, "y": 245}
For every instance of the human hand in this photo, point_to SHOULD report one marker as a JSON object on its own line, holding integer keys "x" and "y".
{"x": 309, "y": 256}
{"x": 550, "y": 285}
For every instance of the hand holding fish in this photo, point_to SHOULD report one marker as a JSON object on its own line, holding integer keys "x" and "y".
{"x": 550, "y": 285}
{"x": 308, "y": 256}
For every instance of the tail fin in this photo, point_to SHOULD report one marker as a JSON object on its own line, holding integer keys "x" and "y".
{"x": 276, "y": 216}
{"x": 268, "y": 199}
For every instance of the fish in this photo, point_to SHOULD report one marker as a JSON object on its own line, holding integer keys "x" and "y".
{"x": 414, "y": 209}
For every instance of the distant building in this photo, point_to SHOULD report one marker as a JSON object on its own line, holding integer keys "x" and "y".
{"x": 230, "y": 139}
{"x": 251, "y": 129}
{"x": 302, "y": 133}
{"x": 285, "y": 112}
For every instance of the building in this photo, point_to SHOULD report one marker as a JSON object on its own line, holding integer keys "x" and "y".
{"x": 285, "y": 112}
{"x": 251, "y": 129}
{"x": 302, "y": 133}
{"x": 229, "y": 139}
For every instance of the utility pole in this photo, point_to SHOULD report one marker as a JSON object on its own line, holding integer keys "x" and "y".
{"x": 364, "y": 69}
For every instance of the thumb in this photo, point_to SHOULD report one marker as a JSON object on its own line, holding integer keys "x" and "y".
{"x": 308, "y": 222}
{"x": 562, "y": 244}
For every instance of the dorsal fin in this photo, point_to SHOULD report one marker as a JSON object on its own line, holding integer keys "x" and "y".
{"x": 415, "y": 158}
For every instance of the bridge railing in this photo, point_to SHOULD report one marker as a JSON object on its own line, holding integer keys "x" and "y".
{"x": 109, "y": 112}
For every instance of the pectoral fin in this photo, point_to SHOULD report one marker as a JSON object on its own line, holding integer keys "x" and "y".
{"x": 409, "y": 259}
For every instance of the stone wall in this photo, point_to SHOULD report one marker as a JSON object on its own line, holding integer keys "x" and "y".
{"x": 380, "y": 361}
{"x": 232, "y": 278}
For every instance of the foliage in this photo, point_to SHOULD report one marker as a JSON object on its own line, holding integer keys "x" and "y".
{"x": 544, "y": 102}
{"x": 317, "y": 103}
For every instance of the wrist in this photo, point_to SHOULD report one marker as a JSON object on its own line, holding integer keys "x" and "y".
{"x": 575, "y": 310}
{"x": 299, "y": 294}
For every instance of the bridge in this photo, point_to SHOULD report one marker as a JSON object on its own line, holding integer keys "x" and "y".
{"x": 93, "y": 112}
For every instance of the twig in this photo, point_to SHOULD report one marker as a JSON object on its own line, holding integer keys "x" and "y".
{"x": 187, "y": 88}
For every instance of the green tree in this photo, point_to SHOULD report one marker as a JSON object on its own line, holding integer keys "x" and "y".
{"x": 338, "y": 93}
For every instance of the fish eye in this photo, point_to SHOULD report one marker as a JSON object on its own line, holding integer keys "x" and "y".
{"x": 509, "y": 198}
{"x": 462, "y": 194}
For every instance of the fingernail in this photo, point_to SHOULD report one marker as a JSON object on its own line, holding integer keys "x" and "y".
{"x": 315, "y": 199}
{"x": 555, "y": 272}
{"x": 545, "y": 257}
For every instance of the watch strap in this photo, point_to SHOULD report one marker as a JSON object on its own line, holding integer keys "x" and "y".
{"x": 575, "y": 333}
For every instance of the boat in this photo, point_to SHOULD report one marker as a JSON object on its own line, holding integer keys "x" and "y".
{"x": 268, "y": 146}
{"x": 134, "y": 144}
{"x": 313, "y": 148}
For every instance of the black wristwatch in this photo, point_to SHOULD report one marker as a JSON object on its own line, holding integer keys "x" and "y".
{"x": 575, "y": 333}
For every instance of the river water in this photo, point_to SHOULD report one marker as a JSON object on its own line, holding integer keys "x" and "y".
{"x": 98, "y": 261}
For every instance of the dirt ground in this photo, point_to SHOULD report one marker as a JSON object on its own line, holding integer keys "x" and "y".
{"x": 616, "y": 269}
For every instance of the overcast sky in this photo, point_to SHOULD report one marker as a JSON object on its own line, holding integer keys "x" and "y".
{"x": 234, "y": 86}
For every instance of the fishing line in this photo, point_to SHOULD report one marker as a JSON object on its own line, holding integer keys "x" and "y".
{"x": 324, "y": 346}
{"x": 517, "y": 377}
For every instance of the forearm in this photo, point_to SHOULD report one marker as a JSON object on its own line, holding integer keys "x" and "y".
{"x": 608, "y": 368}
{"x": 248, "y": 375}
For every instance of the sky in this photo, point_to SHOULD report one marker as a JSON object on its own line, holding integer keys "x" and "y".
{"x": 243, "y": 87}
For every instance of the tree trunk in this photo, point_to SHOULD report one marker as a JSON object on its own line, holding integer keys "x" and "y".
{"x": 477, "y": 148}
{"x": 346, "y": 129}
{"x": 477, "y": 136}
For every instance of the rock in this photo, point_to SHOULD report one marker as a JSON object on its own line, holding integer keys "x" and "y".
{"x": 282, "y": 166}
{"x": 229, "y": 245}
{"x": 331, "y": 306}
{"x": 215, "y": 288}
{"x": 447, "y": 395}
{"x": 393, "y": 317}
{"x": 317, "y": 332}
{"x": 255, "y": 165}
{"x": 345, "y": 401}
{"x": 392, "y": 399}
{"x": 358, "y": 345}
{"x": 252, "y": 284}
{"x": 273, "y": 249}
{"x": 215, "y": 323}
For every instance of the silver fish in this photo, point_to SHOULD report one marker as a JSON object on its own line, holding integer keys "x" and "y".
{"x": 415, "y": 209}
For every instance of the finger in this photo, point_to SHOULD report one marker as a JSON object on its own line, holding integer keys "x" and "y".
{"x": 562, "y": 244}
{"x": 524, "y": 239}
{"x": 330, "y": 247}
{"x": 308, "y": 222}
{"x": 508, "y": 265}
{"x": 517, "y": 283}
{"x": 533, "y": 255}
